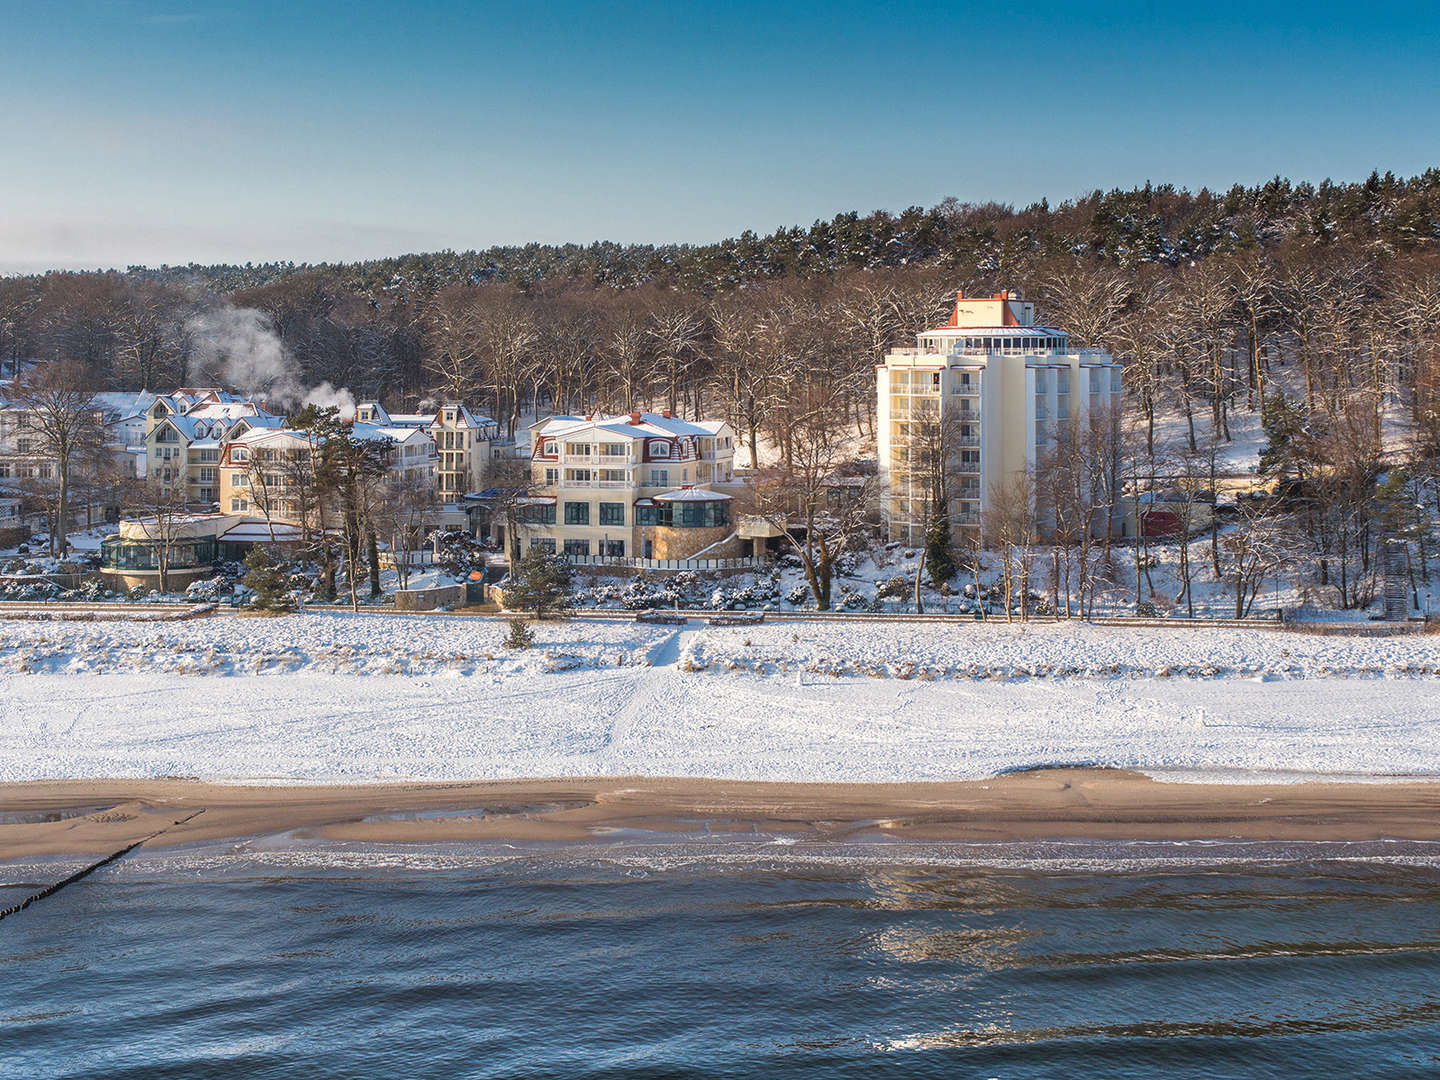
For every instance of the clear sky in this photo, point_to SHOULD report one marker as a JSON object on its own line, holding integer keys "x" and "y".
{"x": 150, "y": 131}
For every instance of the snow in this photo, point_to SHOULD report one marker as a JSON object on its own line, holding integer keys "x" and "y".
{"x": 342, "y": 697}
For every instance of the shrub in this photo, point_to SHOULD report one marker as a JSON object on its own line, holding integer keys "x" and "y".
{"x": 519, "y": 636}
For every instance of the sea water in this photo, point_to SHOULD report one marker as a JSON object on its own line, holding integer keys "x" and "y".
{"x": 627, "y": 965}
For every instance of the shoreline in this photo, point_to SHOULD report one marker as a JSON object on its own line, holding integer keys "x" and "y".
{"x": 97, "y": 817}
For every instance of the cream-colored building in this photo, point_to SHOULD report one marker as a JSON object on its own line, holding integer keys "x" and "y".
{"x": 1002, "y": 390}
{"x": 262, "y": 471}
{"x": 638, "y": 485}
{"x": 186, "y": 433}
{"x": 465, "y": 444}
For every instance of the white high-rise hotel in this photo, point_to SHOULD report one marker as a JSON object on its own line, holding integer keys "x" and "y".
{"x": 1004, "y": 387}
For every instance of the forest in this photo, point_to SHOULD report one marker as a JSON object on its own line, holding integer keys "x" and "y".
{"x": 1316, "y": 308}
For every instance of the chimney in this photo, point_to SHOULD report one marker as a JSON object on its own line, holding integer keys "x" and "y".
{"x": 634, "y": 418}
{"x": 665, "y": 413}
{"x": 960, "y": 296}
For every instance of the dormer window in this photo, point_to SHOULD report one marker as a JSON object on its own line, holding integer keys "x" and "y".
{"x": 659, "y": 448}
{"x": 549, "y": 447}
{"x": 239, "y": 453}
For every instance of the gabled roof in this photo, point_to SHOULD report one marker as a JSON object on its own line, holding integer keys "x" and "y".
{"x": 466, "y": 417}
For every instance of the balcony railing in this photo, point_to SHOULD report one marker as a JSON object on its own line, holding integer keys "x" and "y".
{"x": 597, "y": 459}
{"x": 608, "y": 485}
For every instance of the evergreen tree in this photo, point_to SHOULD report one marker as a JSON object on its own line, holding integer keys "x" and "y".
{"x": 540, "y": 583}
{"x": 1284, "y": 422}
{"x": 940, "y": 551}
{"x": 266, "y": 577}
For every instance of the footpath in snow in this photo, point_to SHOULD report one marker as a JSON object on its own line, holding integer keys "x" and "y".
{"x": 373, "y": 697}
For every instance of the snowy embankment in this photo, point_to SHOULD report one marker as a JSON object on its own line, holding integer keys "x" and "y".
{"x": 382, "y": 697}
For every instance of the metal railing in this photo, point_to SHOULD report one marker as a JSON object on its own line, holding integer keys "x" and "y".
{"x": 745, "y": 563}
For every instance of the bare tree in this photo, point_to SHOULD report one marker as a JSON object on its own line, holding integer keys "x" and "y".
{"x": 59, "y": 414}
{"x": 161, "y": 515}
{"x": 1253, "y": 550}
{"x": 1010, "y": 525}
{"x": 800, "y": 497}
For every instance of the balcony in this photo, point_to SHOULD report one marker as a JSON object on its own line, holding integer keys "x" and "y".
{"x": 606, "y": 485}
{"x": 613, "y": 460}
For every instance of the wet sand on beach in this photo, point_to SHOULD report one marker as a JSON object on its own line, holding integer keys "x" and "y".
{"x": 76, "y": 817}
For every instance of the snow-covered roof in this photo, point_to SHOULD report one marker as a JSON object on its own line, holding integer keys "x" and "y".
{"x": 466, "y": 417}
{"x": 252, "y": 531}
{"x": 411, "y": 420}
{"x": 691, "y": 494}
{"x": 995, "y": 331}
{"x": 125, "y": 404}
{"x": 626, "y": 425}
{"x": 372, "y": 432}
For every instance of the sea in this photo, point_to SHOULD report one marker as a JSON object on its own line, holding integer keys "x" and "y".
{"x": 631, "y": 960}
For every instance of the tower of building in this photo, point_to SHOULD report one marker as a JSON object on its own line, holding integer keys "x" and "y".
{"x": 989, "y": 393}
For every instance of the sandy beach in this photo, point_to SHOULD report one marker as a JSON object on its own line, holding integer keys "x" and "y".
{"x": 75, "y": 817}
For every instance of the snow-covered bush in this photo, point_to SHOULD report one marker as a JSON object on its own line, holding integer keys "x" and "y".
{"x": 87, "y": 592}
{"x": 208, "y": 591}
{"x": 895, "y": 588}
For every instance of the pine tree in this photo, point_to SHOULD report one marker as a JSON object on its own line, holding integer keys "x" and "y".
{"x": 940, "y": 551}
{"x": 266, "y": 578}
{"x": 539, "y": 582}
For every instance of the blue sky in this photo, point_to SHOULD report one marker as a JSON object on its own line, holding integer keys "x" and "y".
{"x": 140, "y": 131}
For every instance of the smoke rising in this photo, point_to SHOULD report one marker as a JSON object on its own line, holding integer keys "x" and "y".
{"x": 326, "y": 395}
{"x": 240, "y": 345}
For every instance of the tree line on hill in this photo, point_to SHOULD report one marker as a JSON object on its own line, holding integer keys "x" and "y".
{"x": 1318, "y": 305}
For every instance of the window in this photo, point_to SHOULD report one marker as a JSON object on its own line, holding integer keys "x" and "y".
{"x": 577, "y": 476}
{"x": 1094, "y": 380}
{"x": 548, "y": 447}
{"x": 612, "y": 513}
{"x": 647, "y": 515}
{"x": 543, "y": 543}
{"x": 538, "y": 514}
{"x": 659, "y": 477}
{"x": 612, "y": 549}
{"x": 581, "y": 448}
{"x": 238, "y": 506}
{"x": 659, "y": 448}
{"x": 577, "y": 547}
{"x": 577, "y": 513}
{"x": 613, "y": 449}
{"x": 237, "y": 479}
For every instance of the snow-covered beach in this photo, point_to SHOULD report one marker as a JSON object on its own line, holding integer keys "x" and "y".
{"x": 368, "y": 698}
